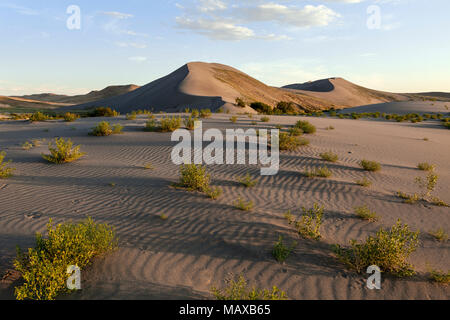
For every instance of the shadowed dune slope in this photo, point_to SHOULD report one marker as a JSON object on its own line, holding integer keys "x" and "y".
{"x": 343, "y": 92}
{"x": 205, "y": 85}
{"x": 11, "y": 102}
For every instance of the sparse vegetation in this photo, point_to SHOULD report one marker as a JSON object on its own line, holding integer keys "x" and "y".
{"x": 205, "y": 113}
{"x": 5, "y": 171}
{"x": 214, "y": 193}
{"x": 131, "y": 116}
{"x": 439, "y": 235}
{"x": 308, "y": 226}
{"x": 239, "y": 291}
{"x": 322, "y": 172}
{"x": 329, "y": 156}
{"x": 372, "y": 166}
{"x": 39, "y": 116}
{"x": 248, "y": 181}
{"x": 294, "y": 131}
{"x": 440, "y": 277}
{"x": 281, "y": 252}
{"x": 189, "y": 123}
{"x": 233, "y": 119}
{"x": 104, "y": 129}
{"x": 265, "y": 119}
{"x": 194, "y": 178}
{"x": 408, "y": 198}
{"x": 424, "y": 166}
{"x": 44, "y": 267}
{"x": 149, "y": 166}
{"x": 64, "y": 152}
{"x": 306, "y": 127}
{"x": 70, "y": 117}
{"x": 240, "y": 102}
{"x": 104, "y": 112}
{"x": 364, "y": 182}
{"x": 291, "y": 143}
{"x": 170, "y": 124}
{"x": 388, "y": 250}
{"x": 366, "y": 214}
{"x": 243, "y": 205}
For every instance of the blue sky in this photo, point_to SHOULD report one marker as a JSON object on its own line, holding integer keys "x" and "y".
{"x": 277, "y": 41}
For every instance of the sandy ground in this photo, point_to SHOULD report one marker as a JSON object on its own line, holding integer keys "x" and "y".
{"x": 203, "y": 241}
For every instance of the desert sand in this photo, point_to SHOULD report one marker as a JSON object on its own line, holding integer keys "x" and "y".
{"x": 203, "y": 241}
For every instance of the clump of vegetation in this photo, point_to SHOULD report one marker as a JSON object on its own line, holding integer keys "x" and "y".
{"x": 439, "y": 235}
{"x": 291, "y": 143}
{"x": 294, "y": 131}
{"x": 163, "y": 217}
{"x": 281, "y": 252}
{"x": 388, "y": 250}
{"x": 104, "y": 129}
{"x": 5, "y": 171}
{"x": 195, "y": 113}
{"x": 243, "y": 205}
{"x": 364, "y": 182}
{"x": 366, "y": 214}
{"x": 170, "y": 124}
{"x": 372, "y": 166}
{"x": 27, "y": 145}
{"x": 322, "y": 172}
{"x": 329, "y": 156}
{"x": 104, "y": 112}
{"x": 424, "y": 166}
{"x": 239, "y": 290}
{"x": 233, "y": 119}
{"x": 265, "y": 119}
{"x": 149, "y": 166}
{"x": 240, "y": 102}
{"x": 131, "y": 116}
{"x": 330, "y": 128}
{"x": 248, "y": 181}
{"x": 70, "y": 117}
{"x": 189, "y": 123}
{"x": 205, "y": 113}
{"x": 194, "y": 178}
{"x": 44, "y": 267}
{"x": 440, "y": 277}
{"x": 306, "y": 127}
{"x": 214, "y": 193}
{"x": 39, "y": 116}
{"x": 309, "y": 223}
{"x": 64, "y": 152}
{"x": 408, "y": 198}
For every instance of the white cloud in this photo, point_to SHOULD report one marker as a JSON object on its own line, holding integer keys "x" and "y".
{"x": 118, "y": 15}
{"x": 138, "y": 59}
{"x": 219, "y": 30}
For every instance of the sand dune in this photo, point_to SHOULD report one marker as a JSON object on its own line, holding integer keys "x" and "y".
{"x": 343, "y": 92}
{"x": 404, "y": 107}
{"x": 12, "y": 102}
{"x": 205, "y": 85}
{"x": 203, "y": 241}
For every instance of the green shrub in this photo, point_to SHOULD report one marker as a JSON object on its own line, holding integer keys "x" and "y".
{"x": 117, "y": 129}
{"x": 439, "y": 235}
{"x": 370, "y": 165}
{"x": 70, "y": 117}
{"x": 151, "y": 125}
{"x": 366, "y": 214}
{"x": 329, "y": 128}
{"x": 407, "y": 198}
{"x": 265, "y": 119}
{"x": 322, "y": 172}
{"x": 248, "y": 181}
{"x": 44, "y": 267}
{"x": 291, "y": 143}
{"x": 5, "y": 172}
{"x": 428, "y": 184}
{"x": 104, "y": 129}
{"x": 240, "y": 102}
{"x": 64, "y": 152}
{"x": 205, "y": 113}
{"x": 27, "y": 145}
{"x": 214, "y": 193}
{"x": 233, "y": 119}
{"x": 243, "y": 205}
{"x": 308, "y": 226}
{"x": 149, "y": 166}
{"x": 131, "y": 116}
{"x": 364, "y": 182}
{"x": 280, "y": 252}
{"x": 170, "y": 124}
{"x": 195, "y": 113}
{"x": 388, "y": 250}
{"x": 440, "y": 277}
{"x": 239, "y": 290}
{"x": 424, "y": 166}
{"x": 261, "y": 107}
{"x": 285, "y": 107}
{"x": 189, "y": 123}
{"x": 194, "y": 178}
{"x": 104, "y": 112}
{"x": 307, "y": 127}
{"x": 329, "y": 156}
{"x": 296, "y": 132}
{"x": 39, "y": 116}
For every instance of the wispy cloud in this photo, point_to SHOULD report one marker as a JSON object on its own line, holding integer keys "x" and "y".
{"x": 20, "y": 9}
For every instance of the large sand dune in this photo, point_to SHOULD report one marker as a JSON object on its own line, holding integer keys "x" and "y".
{"x": 205, "y": 85}
{"x": 203, "y": 241}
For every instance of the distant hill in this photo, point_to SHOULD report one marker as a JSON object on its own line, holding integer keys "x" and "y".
{"x": 25, "y": 105}
{"x": 205, "y": 85}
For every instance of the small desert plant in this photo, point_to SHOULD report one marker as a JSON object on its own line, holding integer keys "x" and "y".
{"x": 366, "y": 214}
{"x": 5, "y": 172}
{"x": 428, "y": 184}
{"x": 102, "y": 129}
{"x": 194, "y": 178}
{"x": 149, "y": 166}
{"x": 170, "y": 124}
{"x": 408, "y": 198}
{"x": 291, "y": 143}
{"x": 310, "y": 221}
{"x": 265, "y": 119}
{"x": 27, "y": 145}
{"x": 440, "y": 277}
{"x": 281, "y": 252}
{"x": 104, "y": 112}
{"x": 329, "y": 128}
{"x": 243, "y": 205}
{"x": 307, "y": 127}
{"x": 294, "y": 131}
{"x": 240, "y": 102}
{"x": 322, "y": 172}
{"x": 39, "y": 116}
{"x": 151, "y": 125}
{"x": 239, "y": 290}
{"x": 364, "y": 182}
{"x": 205, "y": 113}
{"x": 329, "y": 156}
{"x": 248, "y": 181}
{"x": 70, "y": 117}
{"x": 424, "y": 166}
{"x": 388, "y": 250}
{"x": 64, "y": 152}
{"x": 370, "y": 165}
{"x": 439, "y": 235}
{"x": 214, "y": 193}
{"x": 189, "y": 123}
{"x": 233, "y": 119}
{"x": 44, "y": 267}
{"x": 163, "y": 217}
{"x": 289, "y": 217}
{"x": 131, "y": 116}
{"x": 195, "y": 113}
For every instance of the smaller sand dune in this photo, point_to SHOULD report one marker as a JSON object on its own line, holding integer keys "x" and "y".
{"x": 404, "y": 107}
